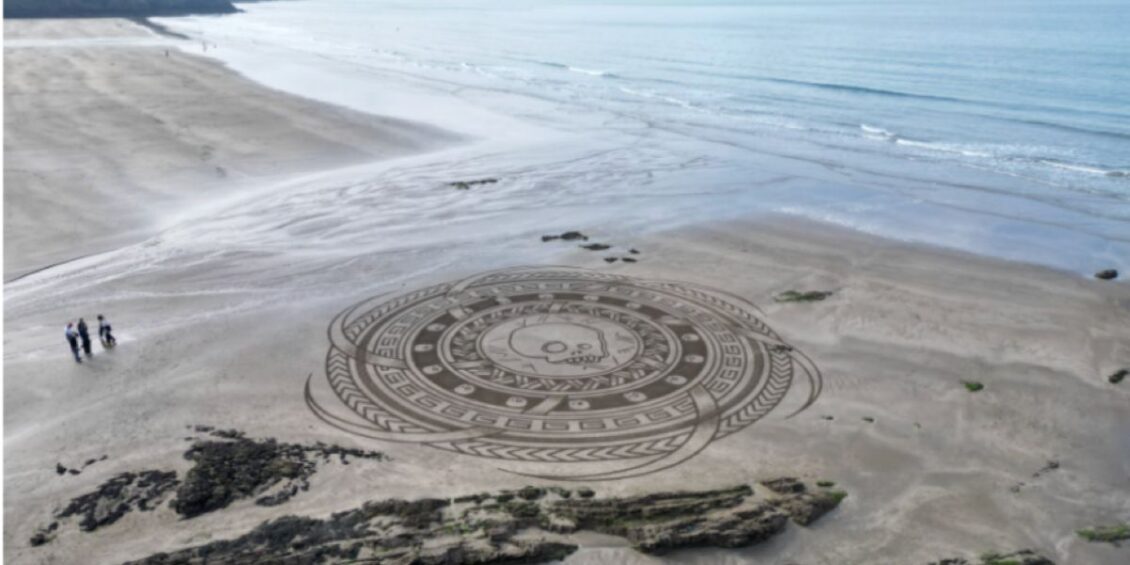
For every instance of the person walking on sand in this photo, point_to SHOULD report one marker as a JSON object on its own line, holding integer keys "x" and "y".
{"x": 84, "y": 335}
{"x": 104, "y": 334}
{"x": 72, "y": 338}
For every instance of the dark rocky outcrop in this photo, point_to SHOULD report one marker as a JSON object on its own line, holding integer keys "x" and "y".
{"x": 227, "y": 468}
{"x": 235, "y": 467}
{"x": 1022, "y": 557}
{"x": 113, "y": 499}
{"x": 1107, "y": 274}
{"x": 530, "y": 525}
{"x": 113, "y": 8}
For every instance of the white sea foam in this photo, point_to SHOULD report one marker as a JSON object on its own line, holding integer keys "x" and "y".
{"x": 592, "y": 72}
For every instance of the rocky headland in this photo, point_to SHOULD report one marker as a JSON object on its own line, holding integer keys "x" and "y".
{"x": 113, "y": 8}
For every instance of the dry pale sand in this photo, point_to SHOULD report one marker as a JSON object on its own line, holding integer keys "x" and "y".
{"x": 931, "y": 477}
{"x": 107, "y": 127}
{"x": 226, "y": 336}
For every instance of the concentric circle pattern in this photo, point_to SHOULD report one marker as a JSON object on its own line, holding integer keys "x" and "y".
{"x": 558, "y": 365}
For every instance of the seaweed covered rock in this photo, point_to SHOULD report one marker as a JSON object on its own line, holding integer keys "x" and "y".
{"x": 657, "y": 523}
{"x": 529, "y": 526}
{"x": 1022, "y": 557}
{"x": 229, "y": 470}
{"x": 113, "y": 499}
{"x": 234, "y": 467}
{"x": 806, "y": 508}
{"x": 385, "y": 531}
{"x": 1111, "y": 534}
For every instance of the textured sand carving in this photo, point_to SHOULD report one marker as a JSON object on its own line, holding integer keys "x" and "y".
{"x": 559, "y": 365}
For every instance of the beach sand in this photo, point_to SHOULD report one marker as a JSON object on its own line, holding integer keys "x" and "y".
{"x": 227, "y": 337}
{"x": 106, "y": 129}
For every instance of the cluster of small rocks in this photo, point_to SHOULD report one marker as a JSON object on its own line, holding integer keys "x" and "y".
{"x": 61, "y": 469}
{"x": 227, "y": 466}
{"x": 112, "y": 499}
{"x": 578, "y": 236}
{"x": 528, "y": 525}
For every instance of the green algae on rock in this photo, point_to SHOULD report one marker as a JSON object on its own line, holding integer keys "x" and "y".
{"x": 1110, "y": 534}
{"x": 1021, "y": 557}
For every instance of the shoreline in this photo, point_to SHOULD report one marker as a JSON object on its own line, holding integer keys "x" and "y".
{"x": 965, "y": 216}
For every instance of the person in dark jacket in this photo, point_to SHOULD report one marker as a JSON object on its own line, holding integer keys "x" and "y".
{"x": 72, "y": 338}
{"x": 84, "y": 335}
{"x": 104, "y": 332}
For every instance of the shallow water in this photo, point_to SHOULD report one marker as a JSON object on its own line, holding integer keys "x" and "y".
{"x": 1001, "y": 128}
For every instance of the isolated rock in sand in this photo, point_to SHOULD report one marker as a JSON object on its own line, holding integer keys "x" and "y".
{"x": 596, "y": 246}
{"x": 1107, "y": 274}
{"x": 527, "y": 526}
{"x": 1052, "y": 465}
{"x": 467, "y": 184}
{"x": 799, "y": 296}
{"x": 567, "y": 236}
{"x": 973, "y": 386}
{"x": 1117, "y": 376}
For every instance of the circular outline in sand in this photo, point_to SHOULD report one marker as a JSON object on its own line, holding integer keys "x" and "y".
{"x": 712, "y": 369}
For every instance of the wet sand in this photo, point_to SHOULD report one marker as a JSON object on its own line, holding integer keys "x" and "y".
{"x": 109, "y": 127}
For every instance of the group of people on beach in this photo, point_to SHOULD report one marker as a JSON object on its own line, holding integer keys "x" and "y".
{"x": 79, "y": 336}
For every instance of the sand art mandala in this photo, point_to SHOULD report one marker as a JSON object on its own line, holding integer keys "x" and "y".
{"x": 559, "y": 365}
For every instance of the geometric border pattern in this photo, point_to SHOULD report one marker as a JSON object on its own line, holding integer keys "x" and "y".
{"x": 369, "y": 370}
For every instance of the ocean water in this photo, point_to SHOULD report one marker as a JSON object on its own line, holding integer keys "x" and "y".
{"x": 998, "y": 127}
